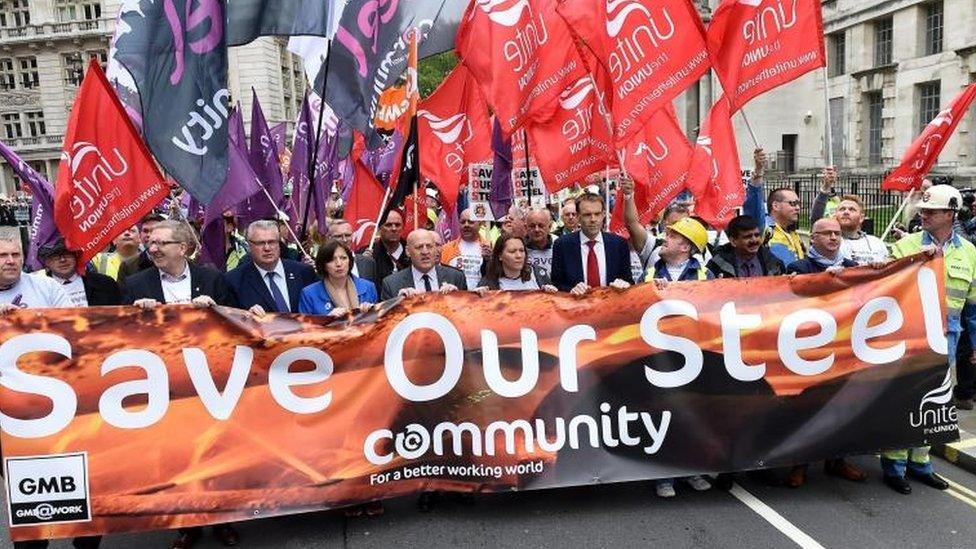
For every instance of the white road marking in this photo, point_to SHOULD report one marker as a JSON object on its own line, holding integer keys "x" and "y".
{"x": 772, "y": 517}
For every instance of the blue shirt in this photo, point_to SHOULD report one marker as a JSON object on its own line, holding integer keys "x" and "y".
{"x": 316, "y": 301}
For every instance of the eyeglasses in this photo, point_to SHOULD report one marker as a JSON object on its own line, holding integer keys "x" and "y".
{"x": 264, "y": 243}
{"x": 161, "y": 243}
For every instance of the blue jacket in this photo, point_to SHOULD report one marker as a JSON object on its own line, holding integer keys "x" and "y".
{"x": 567, "y": 260}
{"x": 809, "y": 266}
{"x": 250, "y": 289}
{"x": 316, "y": 301}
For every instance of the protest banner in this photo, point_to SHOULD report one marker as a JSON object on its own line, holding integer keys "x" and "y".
{"x": 108, "y": 427}
{"x": 479, "y": 191}
{"x": 528, "y": 188}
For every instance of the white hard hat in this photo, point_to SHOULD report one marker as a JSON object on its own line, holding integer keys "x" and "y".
{"x": 941, "y": 197}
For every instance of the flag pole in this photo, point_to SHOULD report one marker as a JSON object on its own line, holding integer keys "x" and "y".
{"x": 313, "y": 158}
{"x": 742, "y": 111}
{"x": 527, "y": 186}
{"x": 894, "y": 218}
{"x": 281, "y": 215}
{"x": 379, "y": 216}
{"x": 828, "y": 139}
{"x": 605, "y": 112}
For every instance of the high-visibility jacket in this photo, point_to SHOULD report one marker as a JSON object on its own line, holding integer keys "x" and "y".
{"x": 108, "y": 264}
{"x": 960, "y": 272}
{"x": 692, "y": 271}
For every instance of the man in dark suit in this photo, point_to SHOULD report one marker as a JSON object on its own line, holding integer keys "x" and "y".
{"x": 141, "y": 261}
{"x": 88, "y": 290}
{"x": 363, "y": 266}
{"x": 425, "y": 273}
{"x": 389, "y": 252}
{"x": 590, "y": 258}
{"x": 268, "y": 283}
{"x": 173, "y": 279}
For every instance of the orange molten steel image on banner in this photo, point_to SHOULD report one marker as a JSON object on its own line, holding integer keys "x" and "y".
{"x": 122, "y": 420}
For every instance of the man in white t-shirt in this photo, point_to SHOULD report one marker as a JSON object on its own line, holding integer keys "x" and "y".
{"x": 19, "y": 290}
{"x": 469, "y": 251}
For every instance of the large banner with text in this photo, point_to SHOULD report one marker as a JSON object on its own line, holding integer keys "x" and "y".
{"x": 118, "y": 420}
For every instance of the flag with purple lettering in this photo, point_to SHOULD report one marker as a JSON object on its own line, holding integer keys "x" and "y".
{"x": 263, "y": 157}
{"x": 176, "y": 52}
{"x": 42, "y": 228}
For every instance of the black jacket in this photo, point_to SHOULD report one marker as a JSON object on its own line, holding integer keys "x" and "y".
{"x": 134, "y": 265}
{"x": 809, "y": 266}
{"x": 101, "y": 290}
{"x": 722, "y": 264}
{"x": 203, "y": 281}
{"x": 385, "y": 264}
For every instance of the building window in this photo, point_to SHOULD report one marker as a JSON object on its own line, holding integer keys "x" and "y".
{"x": 14, "y": 13}
{"x": 882, "y": 42}
{"x": 11, "y": 126}
{"x": 875, "y": 123}
{"x": 838, "y": 53}
{"x": 929, "y": 102}
{"x": 76, "y": 10}
{"x": 35, "y": 124}
{"x": 27, "y": 67}
{"x": 933, "y": 28}
{"x": 8, "y": 77}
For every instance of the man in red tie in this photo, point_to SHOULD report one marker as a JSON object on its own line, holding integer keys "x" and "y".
{"x": 590, "y": 257}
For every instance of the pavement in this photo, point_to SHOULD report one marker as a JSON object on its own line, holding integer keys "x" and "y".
{"x": 827, "y": 512}
{"x": 963, "y": 452}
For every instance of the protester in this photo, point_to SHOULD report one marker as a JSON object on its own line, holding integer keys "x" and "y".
{"x": 539, "y": 240}
{"x": 142, "y": 261}
{"x": 173, "y": 279}
{"x": 569, "y": 218}
{"x": 424, "y": 274}
{"x": 590, "y": 257}
{"x": 645, "y": 244}
{"x": 235, "y": 247}
{"x": 126, "y": 247}
{"x": 338, "y": 292}
{"x": 937, "y": 209}
{"x": 508, "y": 269}
{"x": 469, "y": 251}
{"x": 745, "y": 255}
{"x": 779, "y": 222}
{"x": 824, "y": 254}
{"x": 389, "y": 252}
{"x": 268, "y": 283}
{"x": 513, "y": 223}
{"x": 19, "y": 290}
{"x": 856, "y": 245}
{"x": 910, "y": 221}
{"x": 91, "y": 289}
{"x": 363, "y": 266}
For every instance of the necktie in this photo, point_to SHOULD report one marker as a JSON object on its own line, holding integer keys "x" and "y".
{"x": 281, "y": 305}
{"x": 427, "y": 287}
{"x": 592, "y": 266}
{"x": 747, "y": 268}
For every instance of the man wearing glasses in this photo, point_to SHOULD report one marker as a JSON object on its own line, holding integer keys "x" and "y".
{"x": 266, "y": 282}
{"x": 172, "y": 278}
{"x": 779, "y": 222}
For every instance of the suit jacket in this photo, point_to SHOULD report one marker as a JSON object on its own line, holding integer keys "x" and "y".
{"x": 404, "y": 279}
{"x": 101, "y": 290}
{"x": 567, "y": 260}
{"x": 135, "y": 264}
{"x": 385, "y": 264}
{"x": 367, "y": 269}
{"x": 250, "y": 289}
{"x": 203, "y": 281}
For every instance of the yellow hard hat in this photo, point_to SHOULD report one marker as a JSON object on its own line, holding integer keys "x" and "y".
{"x": 693, "y": 231}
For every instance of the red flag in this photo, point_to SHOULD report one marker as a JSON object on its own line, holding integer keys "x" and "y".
{"x": 757, "y": 45}
{"x": 924, "y": 151}
{"x": 453, "y": 127}
{"x": 575, "y": 141}
{"x": 363, "y": 204}
{"x": 107, "y": 180}
{"x": 652, "y": 51}
{"x": 521, "y": 53}
{"x": 658, "y": 159}
{"x": 715, "y": 176}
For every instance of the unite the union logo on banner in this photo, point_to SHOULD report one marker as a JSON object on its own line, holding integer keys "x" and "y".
{"x": 618, "y": 11}
{"x": 935, "y": 413}
{"x": 506, "y": 13}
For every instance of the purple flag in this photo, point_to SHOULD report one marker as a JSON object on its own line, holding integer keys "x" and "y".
{"x": 235, "y": 128}
{"x": 241, "y": 185}
{"x": 326, "y": 171}
{"x": 298, "y": 169}
{"x": 264, "y": 160}
{"x": 42, "y": 228}
{"x": 279, "y": 133}
{"x": 382, "y": 160}
{"x": 500, "y": 198}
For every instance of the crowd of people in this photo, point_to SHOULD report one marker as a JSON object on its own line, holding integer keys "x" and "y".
{"x": 565, "y": 248}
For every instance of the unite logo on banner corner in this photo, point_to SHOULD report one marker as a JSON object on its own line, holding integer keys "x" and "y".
{"x": 107, "y": 180}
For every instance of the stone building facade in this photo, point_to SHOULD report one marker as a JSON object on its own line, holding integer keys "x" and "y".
{"x": 45, "y": 46}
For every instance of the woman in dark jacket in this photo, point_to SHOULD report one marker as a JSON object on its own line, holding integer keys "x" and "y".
{"x": 508, "y": 269}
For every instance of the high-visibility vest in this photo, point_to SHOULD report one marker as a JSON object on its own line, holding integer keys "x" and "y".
{"x": 960, "y": 268}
